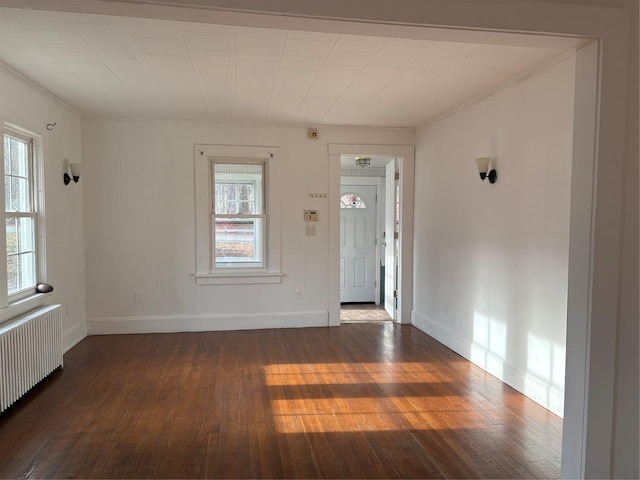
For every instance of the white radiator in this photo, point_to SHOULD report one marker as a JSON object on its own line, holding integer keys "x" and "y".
{"x": 30, "y": 349}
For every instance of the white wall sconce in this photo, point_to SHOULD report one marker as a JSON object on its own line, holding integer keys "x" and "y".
{"x": 72, "y": 170}
{"x": 363, "y": 161}
{"x": 483, "y": 167}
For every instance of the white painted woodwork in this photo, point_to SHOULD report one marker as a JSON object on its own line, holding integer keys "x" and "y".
{"x": 358, "y": 248}
{"x": 390, "y": 260}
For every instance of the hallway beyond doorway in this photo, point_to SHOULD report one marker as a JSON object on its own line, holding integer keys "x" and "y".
{"x": 363, "y": 312}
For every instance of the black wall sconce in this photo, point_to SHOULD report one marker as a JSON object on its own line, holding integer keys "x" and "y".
{"x": 72, "y": 170}
{"x": 483, "y": 167}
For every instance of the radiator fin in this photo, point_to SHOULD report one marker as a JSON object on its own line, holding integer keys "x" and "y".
{"x": 30, "y": 349}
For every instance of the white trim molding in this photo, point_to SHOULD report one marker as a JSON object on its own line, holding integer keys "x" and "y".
{"x": 537, "y": 389}
{"x": 205, "y": 323}
{"x": 406, "y": 156}
{"x": 271, "y": 273}
{"x": 74, "y": 335}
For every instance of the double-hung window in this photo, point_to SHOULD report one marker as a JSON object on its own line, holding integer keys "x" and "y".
{"x": 21, "y": 215}
{"x": 238, "y": 217}
{"x": 238, "y": 224}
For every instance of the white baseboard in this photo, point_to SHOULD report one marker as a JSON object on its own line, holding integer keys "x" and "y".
{"x": 74, "y": 335}
{"x": 205, "y": 323}
{"x": 537, "y": 389}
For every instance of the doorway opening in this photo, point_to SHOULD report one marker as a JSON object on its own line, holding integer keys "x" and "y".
{"x": 369, "y": 233}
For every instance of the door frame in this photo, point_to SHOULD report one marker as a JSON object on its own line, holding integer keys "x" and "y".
{"x": 371, "y": 182}
{"x": 406, "y": 160}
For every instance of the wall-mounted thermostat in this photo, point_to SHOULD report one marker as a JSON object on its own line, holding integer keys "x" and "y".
{"x": 311, "y": 215}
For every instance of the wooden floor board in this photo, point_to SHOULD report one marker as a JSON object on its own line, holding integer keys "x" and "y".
{"x": 364, "y": 400}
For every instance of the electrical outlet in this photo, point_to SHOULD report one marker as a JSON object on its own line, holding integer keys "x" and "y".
{"x": 298, "y": 293}
{"x": 138, "y": 296}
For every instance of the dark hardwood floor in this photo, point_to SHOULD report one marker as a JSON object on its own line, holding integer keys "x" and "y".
{"x": 364, "y": 400}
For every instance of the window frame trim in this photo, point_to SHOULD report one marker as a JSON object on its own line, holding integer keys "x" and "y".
{"x": 205, "y": 272}
{"x": 263, "y": 235}
{"x": 37, "y": 198}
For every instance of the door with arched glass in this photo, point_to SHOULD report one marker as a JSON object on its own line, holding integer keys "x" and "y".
{"x": 357, "y": 243}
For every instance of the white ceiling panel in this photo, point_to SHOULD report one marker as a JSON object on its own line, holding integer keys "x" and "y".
{"x": 215, "y": 42}
{"x": 400, "y": 52}
{"x": 162, "y": 46}
{"x": 257, "y": 68}
{"x": 170, "y": 62}
{"x": 104, "y": 33}
{"x": 409, "y": 42}
{"x": 21, "y": 47}
{"x": 148, "y": 27}
{"x": 452, "y": 49}
{"x": 359, "y": 43}
{"x": 349, "y": 58}
{"x": 117, "y": 51}
{"x": 313, "y": 36}
{"x": 75, "y": 55}
{"x": 207, "y": 28}
{"x": 10, "y": 28}
{"x": 259, "y": 52}
{"x": 52, "y": 38}
{"x": 40, "y": 20}
{"x": 260, "y": 36}
{"x": 142, "y": 67}
{"x": 93, "y": 19}
{"x": 218, "y": 75}
{"x": 307, "y": 48}
{"x": 212, "y": 58}
{"x": 302, "y": 63}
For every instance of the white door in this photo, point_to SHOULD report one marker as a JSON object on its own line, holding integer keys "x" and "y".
{"x": 357, "y": 243}
{"x": 390, "y": 222}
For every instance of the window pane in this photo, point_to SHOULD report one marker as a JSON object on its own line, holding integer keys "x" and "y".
{"x": 7, "y": 193}
{"x": 238, "y": 240}
{"x": 7, "y": 155}
{"x": 12, "y": 235}
{"x": 228, "y": 208}
{"x": 26, "y": 237}
{"x": 352, "y": 200}
{"x": 27, "y": 271}
{"x": 19, "y": 194}
{"x": 19, "y": 157}
{"x": 12, "y": 274}
{"x": 21, "y": 266}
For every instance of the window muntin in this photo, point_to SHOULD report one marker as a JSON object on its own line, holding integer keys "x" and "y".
{"x": 239, "y": 216}
{"x": 20, "y": 214}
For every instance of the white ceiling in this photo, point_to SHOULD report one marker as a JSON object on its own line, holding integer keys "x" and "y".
{"x": 129, "y": 67}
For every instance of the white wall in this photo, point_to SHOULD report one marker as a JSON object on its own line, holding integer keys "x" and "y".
{"x": 492, "y": 260}
{"x": 139, "y": 227}
{"x": 31, "y": 109}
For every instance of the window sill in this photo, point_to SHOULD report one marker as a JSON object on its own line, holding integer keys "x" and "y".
{"x": 22, "y": 306}
{"x": 239, "y": 278}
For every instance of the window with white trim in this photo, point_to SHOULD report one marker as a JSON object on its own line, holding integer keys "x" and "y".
{"x": 21, "y": 211}
{"x": 238, "y": 217}
{"x": 238, "y": 220}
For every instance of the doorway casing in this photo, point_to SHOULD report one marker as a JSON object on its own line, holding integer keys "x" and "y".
{"x": 406, "y": 156}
